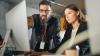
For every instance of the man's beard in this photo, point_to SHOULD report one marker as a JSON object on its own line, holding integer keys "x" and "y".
{"x": 43, "y": 17}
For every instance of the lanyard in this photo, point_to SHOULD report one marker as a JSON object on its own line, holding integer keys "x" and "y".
{"x": 44, "y": 32}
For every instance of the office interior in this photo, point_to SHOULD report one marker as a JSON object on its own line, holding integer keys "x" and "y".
{"x": 89, "y": 7}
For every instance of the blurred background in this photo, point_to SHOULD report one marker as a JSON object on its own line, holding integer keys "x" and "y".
{"x": 32, "y": 8}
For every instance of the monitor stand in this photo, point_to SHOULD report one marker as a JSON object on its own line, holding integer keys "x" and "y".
{"x": 8, "y": 48}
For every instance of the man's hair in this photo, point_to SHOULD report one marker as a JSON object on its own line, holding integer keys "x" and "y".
{"x": 44, "y": 2}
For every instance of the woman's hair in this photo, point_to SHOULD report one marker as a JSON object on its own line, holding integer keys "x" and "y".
{"x": 81, "y": 16}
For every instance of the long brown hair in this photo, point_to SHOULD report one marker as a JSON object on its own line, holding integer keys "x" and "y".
{"x": 81, "y": 16}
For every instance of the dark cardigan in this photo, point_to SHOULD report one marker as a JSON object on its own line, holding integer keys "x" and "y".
{"x": 51, "y": 33}
{"x": 84, "y": 46}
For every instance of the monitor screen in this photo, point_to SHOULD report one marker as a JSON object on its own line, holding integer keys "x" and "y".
{"x": 16, "y": 20}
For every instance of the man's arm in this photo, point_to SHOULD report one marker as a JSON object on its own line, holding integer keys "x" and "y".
{"x": 56, "y": 36}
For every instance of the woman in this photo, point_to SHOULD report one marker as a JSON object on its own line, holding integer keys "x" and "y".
{"x": 75, "y": 24}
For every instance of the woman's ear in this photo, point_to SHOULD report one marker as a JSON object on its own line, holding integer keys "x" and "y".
{"x": 78, "y": 13}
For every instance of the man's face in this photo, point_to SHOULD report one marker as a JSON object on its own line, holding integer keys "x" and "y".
{"x": 44, "y": 11}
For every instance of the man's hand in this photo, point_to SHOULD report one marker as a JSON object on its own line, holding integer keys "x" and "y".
{"x": 46, "y": 53}
{"x": 33, "y": 53}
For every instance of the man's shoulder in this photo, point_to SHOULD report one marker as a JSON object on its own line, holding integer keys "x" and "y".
{"x": 53, "y": 19}
{"x": 35, "y": 16}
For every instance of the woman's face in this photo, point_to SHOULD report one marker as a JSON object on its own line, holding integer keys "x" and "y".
{"x": 71, "y": 15}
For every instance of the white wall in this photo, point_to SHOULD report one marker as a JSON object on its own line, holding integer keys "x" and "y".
{"x": 31, "y": 11}
{"x": 3, "y": 9}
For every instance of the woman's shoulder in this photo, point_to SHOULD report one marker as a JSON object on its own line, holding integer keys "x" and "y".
{"x": 83, "y": 26}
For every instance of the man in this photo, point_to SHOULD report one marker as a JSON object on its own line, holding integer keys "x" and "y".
{"x": 1, "y": 40}
{"x": 46, "y": 28}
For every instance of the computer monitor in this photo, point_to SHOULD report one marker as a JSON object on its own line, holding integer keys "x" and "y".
{"x": 16, "y": 20}
{"x": 93, "y": 17}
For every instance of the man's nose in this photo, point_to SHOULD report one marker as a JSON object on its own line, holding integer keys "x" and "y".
{"x": 44, "y": 13}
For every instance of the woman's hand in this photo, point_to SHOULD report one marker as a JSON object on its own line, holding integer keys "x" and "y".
{"x": 71, "y": 52}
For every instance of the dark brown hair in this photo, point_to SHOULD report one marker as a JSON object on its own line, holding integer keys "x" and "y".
{"x": 81, "y": 16}
{"x": 44, "y": 2}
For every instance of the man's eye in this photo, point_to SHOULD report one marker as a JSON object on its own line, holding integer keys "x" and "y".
{"x": 41, "y": 10}
{"x": 44, "y": 10}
